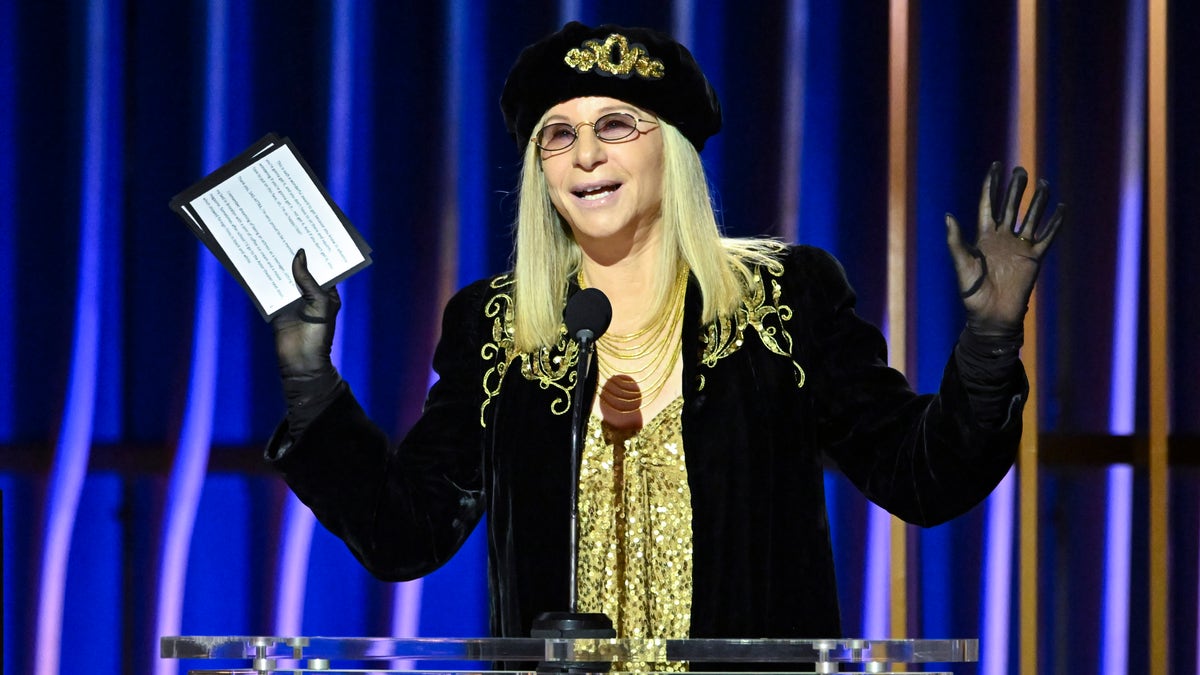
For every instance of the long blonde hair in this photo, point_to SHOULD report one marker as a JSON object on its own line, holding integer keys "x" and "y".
{"x": 546, "y": 256}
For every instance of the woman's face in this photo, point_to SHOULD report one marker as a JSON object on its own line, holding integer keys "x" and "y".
{"x": 605, "y": 189}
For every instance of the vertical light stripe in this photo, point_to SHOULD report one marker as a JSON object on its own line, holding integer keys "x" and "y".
{"x": 406, "y": 621}
{"x": 341, "y": 122}
{"x": 683, "y": 22}
{"x": 1027, "y": 83}
{"x": 341, "y": 101}
{"x": 406, "y": 616}
{"x": 1122, "y": 399}
{"x": 876, "y": 581}
{"x": 876, "y": 593}
{"x": 1027, "y": 466}
{"x": 792, "y": 119}
{"x": 998, "y": 551}
{"x": 997, "y": 578}
{"x": 295, "y": 549}
{"x": 74, "y": 442}
{"x": 570, "y": 10}
{"x": 448, "y": 244}
{"x": 1122, "y": 395}
{"x": 191, "y": 454}
{"x": 1159, "y": 328}
{"x": 1114, "y": 643}
{"x": 900, "y": 163}
{"x": 699, "y": 28}
{"x": 901, "y": 41}
{"x": 351, "y": 158}
{"x": 471, "y": 150}
{"x": 191, "y": 458}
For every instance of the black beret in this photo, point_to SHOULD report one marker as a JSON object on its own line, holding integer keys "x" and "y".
{"x": 637, "y": 65}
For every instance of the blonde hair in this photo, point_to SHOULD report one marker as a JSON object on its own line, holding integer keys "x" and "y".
{"x": 546, "y": 257}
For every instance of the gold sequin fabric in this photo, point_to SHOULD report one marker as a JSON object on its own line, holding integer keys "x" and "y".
{"x": 635, "y": 530}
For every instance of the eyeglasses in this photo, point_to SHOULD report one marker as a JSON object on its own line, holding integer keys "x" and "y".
{"x": 610, "y": 128}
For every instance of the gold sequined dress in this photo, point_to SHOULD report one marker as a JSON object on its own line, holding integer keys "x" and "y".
{"x": 635, "y": 522}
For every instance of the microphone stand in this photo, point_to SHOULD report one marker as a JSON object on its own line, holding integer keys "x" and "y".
{"x": 572, "y": 623}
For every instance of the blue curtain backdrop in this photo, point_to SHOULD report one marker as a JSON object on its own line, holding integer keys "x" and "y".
{"x": 139, "y": 384}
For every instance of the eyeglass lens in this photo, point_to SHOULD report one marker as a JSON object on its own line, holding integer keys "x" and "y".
{"x": 609, "y": 128}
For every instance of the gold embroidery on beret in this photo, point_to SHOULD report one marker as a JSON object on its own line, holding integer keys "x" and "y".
{"x": 615, "y": 56}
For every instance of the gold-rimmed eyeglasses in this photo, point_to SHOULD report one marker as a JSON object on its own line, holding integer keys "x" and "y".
{"x": 610, "y": 128}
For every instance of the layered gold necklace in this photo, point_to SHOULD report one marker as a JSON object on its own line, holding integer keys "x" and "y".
{"x": 627, "y": 386}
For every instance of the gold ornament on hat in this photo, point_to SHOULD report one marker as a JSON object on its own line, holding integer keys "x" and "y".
{"x": 615, "y": 56}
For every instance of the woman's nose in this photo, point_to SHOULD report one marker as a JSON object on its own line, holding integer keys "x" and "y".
{"x": 589, "y": 149}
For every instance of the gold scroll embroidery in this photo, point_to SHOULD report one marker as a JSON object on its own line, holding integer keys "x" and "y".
{"x": 726, "y": 335}
{"x": 624, "y": 60}
{"x": 553, "y": 367}
{"x": 549, "y": 367}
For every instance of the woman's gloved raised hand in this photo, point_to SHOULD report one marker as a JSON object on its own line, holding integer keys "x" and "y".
{"x": 997, "y": 274}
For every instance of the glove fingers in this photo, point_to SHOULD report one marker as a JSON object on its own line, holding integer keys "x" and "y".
{"x": 319, "y": 306}
{"x": 1037, "y": 206}
{"x": 993, "y": 195}
{"x": 304, "y": 279}
{"x": 1016, "y": 188}
{"x": 989, "y": 201}
{"x": 1047, "y": 234}
{"x": 968, "y": 263}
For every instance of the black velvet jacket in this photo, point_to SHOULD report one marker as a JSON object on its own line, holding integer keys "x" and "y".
{"x": 796, "y": 379}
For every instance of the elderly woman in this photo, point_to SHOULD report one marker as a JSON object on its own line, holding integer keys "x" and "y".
{"x": 733, "y": 372}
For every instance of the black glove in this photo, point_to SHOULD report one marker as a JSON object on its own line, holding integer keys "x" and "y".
{"x": 996, "y": 278}
{"x": 997, "y": 274}
{"x": 303, "y": 344}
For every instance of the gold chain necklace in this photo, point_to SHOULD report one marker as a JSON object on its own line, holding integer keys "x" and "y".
{"x": 656, "y": 344}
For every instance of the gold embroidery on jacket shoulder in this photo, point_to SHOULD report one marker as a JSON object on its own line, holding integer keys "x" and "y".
{"x": 726, "y": 335}
{"x": 500, "y": 350}
{"x": 549, "y": 367}
{"x": 554, "y": 367}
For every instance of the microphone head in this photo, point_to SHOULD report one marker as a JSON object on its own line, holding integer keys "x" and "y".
{"x": 587, "y": 310}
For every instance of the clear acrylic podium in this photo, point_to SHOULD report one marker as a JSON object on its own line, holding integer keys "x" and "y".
{"x": 322, "y": 655}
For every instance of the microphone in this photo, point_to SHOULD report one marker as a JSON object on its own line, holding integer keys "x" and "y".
{"x": 587, "y": 315}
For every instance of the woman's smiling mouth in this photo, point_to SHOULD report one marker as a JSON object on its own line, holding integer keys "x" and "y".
{"x": 595, "y": 192}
